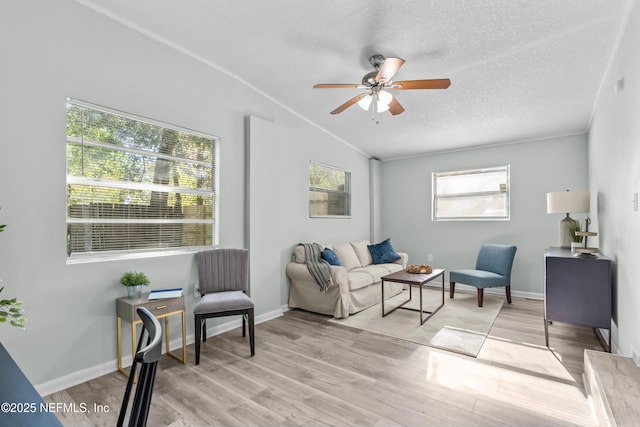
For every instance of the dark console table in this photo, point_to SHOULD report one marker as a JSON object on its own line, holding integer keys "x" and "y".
{"x": 577, "y": 290}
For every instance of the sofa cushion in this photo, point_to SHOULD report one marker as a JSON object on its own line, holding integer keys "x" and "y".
{"x": 362, "y": 252}
{"x": 376, "y": 272}
{"x": 390, "y": 267}
{"x": 383, "y": 252}
{"x": 300, "y": 257}
{"x": 358, "y": 279}
{"x": 330, "y": 256}
{"x": 347, "y": 256}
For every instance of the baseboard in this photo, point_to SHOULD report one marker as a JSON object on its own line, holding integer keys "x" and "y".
{"x": 83, "y": 375}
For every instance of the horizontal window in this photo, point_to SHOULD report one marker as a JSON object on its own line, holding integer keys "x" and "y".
{"x": 135, "y": 186}
{"x": 329, "y": 191}
{"x": 471, "y": 195}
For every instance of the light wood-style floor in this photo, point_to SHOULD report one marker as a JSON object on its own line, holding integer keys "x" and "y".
{"x": 309, "y": 372}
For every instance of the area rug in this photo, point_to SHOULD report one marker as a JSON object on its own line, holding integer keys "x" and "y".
{"x": 460, "y": 326}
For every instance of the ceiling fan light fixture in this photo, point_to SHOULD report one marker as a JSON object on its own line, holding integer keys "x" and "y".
{"x": 376, "y": 83}
{"x": 365, "y": 102}
{"x": 384, "y": 99}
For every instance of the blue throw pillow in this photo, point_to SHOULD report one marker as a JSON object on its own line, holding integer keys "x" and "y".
{"x": 383, "y": 252}
{"x": 330, "y": 256}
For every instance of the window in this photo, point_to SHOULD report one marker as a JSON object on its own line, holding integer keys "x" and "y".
{"x": 471, "y": 195}
{"x": 329, "y": 191}
{"x": 135, "y": 186}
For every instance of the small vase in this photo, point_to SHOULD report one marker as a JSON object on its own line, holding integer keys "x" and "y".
{"x": 134, "y": 292}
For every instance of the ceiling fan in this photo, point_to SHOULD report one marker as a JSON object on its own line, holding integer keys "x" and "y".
{"x": 377, "y": 84}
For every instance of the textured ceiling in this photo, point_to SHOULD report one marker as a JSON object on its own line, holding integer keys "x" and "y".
{"x": 519, "y": 70}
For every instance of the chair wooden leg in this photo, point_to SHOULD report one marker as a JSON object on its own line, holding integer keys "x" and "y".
{"x": 452, "y": 289}
{"x": 204, "y": 329}
{"x": 509, "y": 294}
{"x": 244, "y": 325}
{"x": 198, "y": 330}
{"x": 252, "y": 342}
{"x": 480, "y": 296}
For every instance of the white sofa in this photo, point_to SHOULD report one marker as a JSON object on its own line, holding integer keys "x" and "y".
{"x": 355, "y": 285}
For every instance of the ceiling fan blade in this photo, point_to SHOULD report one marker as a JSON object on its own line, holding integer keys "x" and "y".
{"x": 347, "y": 104}
{"x": 394, "y": 107}
{"x": 389, "y": 68}
{"x": 336, "y": 86}
{"x": 422, "y": 84}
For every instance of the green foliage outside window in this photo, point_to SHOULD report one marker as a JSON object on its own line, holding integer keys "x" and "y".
{"x": 329, "y": 191}
{"x": 136, "y": 185}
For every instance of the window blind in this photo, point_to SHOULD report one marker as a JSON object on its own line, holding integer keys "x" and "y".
{"x": 471, "y": 194}
{"x": 136, "y": 185}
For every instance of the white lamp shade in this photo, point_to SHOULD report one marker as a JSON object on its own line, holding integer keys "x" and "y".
{"x": 384, "y": 99}
{"x": 568, "y": 202}
{"x": 365, "y": 102}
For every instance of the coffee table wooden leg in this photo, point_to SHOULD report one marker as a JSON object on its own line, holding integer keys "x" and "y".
{"x": 382, "y": 298}
{"x": 420, "y": 288}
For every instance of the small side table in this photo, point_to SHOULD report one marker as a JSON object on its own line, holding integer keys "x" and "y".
{"x": 160, "y": 308}
{"x": 413, "y": 279}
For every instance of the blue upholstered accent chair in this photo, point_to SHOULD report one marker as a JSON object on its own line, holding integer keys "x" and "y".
{"x": 493, "y": 269}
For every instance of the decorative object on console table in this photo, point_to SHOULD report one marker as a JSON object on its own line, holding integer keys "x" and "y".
{"x": 164, "y": 294}
{"x": 567, "y": 202}
{"x": 134, "y": 281}
{"x": 585, "y": 250}
{"x": 577, "y": 290}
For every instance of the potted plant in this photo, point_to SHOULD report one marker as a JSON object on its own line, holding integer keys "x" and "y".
{"x": 10, "y": 309}
{"x": 134, "y": 281}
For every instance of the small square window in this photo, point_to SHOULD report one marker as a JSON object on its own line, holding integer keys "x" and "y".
{"x": 478, "y": 194}
{"x": 329, "y": 191}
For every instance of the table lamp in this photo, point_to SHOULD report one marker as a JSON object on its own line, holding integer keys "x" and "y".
{"x": 567, "y": 202}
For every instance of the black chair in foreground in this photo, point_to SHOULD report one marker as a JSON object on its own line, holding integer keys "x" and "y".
{"x": 224, "y": 279}
{"x": 493, "y": 268}
{"x": 147, "y": 357}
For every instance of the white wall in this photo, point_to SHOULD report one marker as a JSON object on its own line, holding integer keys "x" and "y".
{"x": 51, "y": 50}
{"x": 614, "y": 175}
{"x": 536, "y": 168}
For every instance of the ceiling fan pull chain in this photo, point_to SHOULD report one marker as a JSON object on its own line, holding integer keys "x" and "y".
{"x": 374, "y": 107}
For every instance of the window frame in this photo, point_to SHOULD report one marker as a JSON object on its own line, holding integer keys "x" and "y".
{"x": 120, "y": 254}
{"x": 346, "y": 193}
{"x": 434, "y": 194}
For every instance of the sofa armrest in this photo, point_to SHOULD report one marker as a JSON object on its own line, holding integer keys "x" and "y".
{"x": 404, "y": 259}
{"x": 307, "y": 295}
{"x": 300, "y": 273}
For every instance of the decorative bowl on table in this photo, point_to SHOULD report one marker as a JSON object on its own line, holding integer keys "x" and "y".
{"x": 419, "y": 269}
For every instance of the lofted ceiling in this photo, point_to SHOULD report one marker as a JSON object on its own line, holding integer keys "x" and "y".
{"x": 520, "y": 69}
